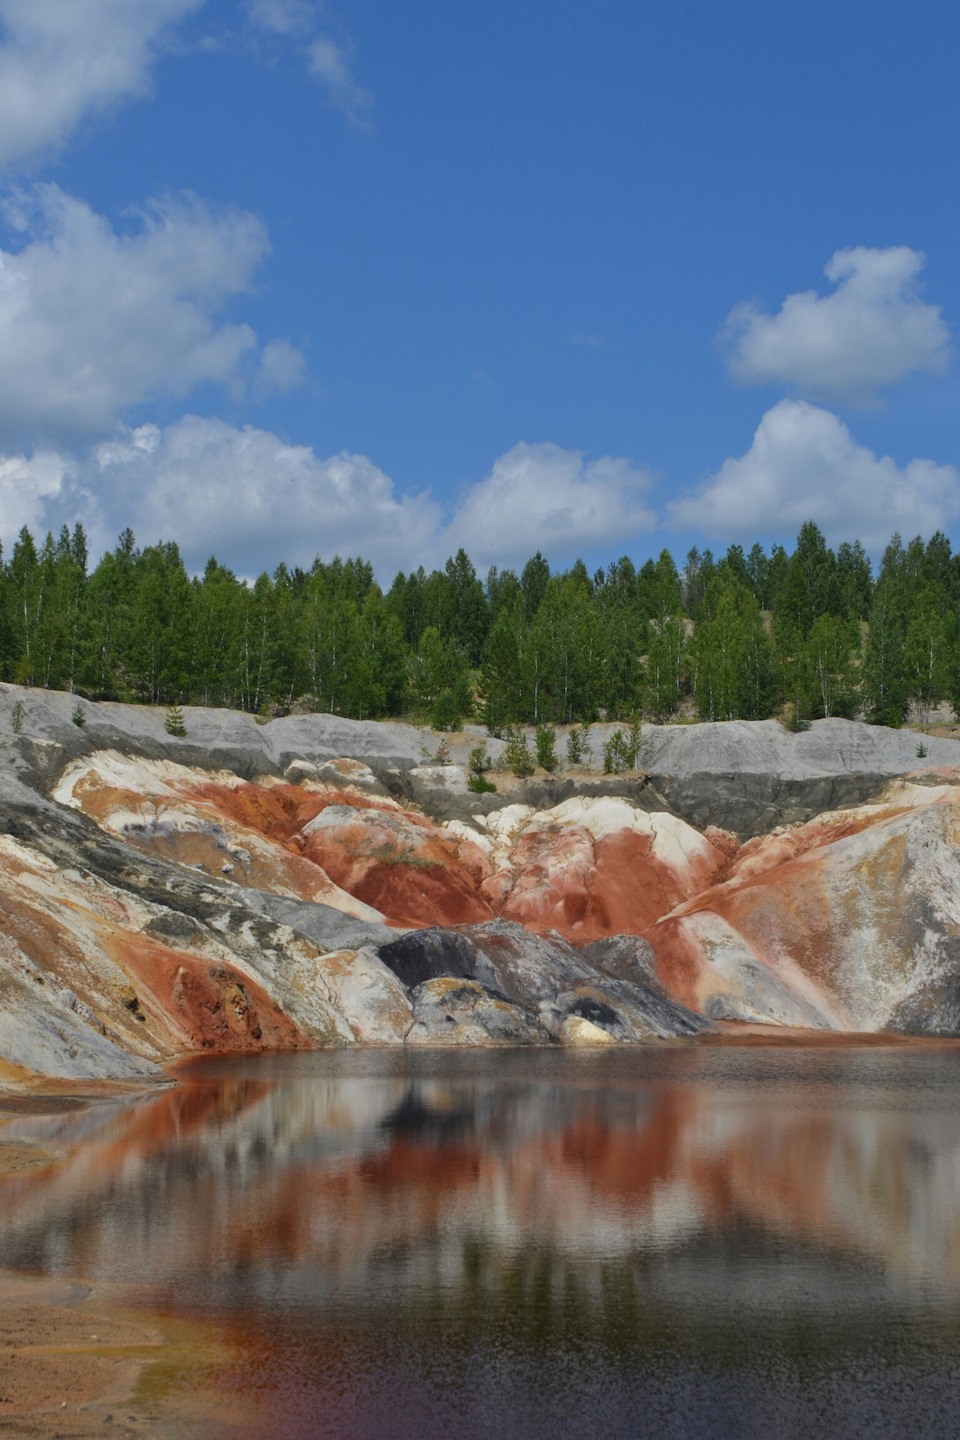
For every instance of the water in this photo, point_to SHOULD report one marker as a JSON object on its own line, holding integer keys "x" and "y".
{"x": 674, "y": 1242}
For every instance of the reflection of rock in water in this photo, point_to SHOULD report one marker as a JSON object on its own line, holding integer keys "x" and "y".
{"x": 701, "y": 1174}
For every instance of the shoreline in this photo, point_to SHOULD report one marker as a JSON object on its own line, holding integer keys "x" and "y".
{"x": 23, "y": 1094}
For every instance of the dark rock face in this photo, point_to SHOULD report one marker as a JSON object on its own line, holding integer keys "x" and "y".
{"x": 499, "y": 954}
{"x": 545, "y": 977}
{"x": 454, "y": 1011}
{"x": 322, "y": 924}
{"x": 625, "y": 957}
{"x": 443, "y": 794}
{"x": 629, "y": 1012}
{"x": 753, "y": 804}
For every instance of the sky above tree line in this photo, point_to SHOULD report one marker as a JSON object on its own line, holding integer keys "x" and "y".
{"x": 281, "y": 278}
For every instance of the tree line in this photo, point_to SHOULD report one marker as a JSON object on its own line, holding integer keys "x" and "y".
{"x": 810, "y": 633}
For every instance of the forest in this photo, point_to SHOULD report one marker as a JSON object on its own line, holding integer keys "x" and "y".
{"x": 752, "y": 634}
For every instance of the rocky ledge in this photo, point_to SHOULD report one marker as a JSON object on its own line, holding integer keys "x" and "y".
{"x": 314, "y": 881}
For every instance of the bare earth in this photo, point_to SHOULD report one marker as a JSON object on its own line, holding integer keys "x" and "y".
{"x": 74, "y": 1363}
{"x": 68, "y": 1364}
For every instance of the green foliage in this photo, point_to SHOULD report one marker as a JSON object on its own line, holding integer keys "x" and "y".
{"x": 479, "y": 761}
{"x": 732, "y": 662}
{"x": 533, "y": 583}
{"x": 578, "y": 744}
{"x": 442, "y": 757}
{"x": 445, "y": 714}
{"x": 17, "y": 717}
{"x": 546, "y": 748}
{"x": 831, "y": 673}
{"x": 797, "y": 717}
{"x": 79, "y": 716}
{"x": 517, "y": 755}
{"x": 810, "y": 633}
{"x": 666, "y": 665}
{"x": 175, "y": 723}
{"x": 615, "y": 757}
{"x": 622, "y": 750}
{"x": 633, "y": 741}
{"x": 480, "y": 785}
{"x": 921, "y": 751}
{"x": 929, "y": 649}
{"x": 502, "y": 683}
{"x": 885, "y": 670}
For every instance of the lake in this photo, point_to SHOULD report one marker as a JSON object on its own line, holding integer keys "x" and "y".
{"x": 675, "y": 1241}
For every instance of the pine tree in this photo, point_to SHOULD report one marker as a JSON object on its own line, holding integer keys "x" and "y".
{"x": 533, "y": 583}
{"x": 578, "y": 745}
{"x": 546, "y": 748}
{"x": 886, "y": 683}
{"x": 517, "y": 755}
{"x": 501, "y": 670}
{"x": 175, "y": 723}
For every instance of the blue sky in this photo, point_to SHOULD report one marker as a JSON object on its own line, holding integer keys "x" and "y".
{"x": 284, "y": 277}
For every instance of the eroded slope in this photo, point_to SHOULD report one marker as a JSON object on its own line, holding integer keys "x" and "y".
{"x": 162, "y": 898}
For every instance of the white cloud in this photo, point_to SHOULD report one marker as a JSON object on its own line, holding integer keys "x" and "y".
{"x": 805, "y": 465}
{"x": 61, "y": 60}
{"x": 281, "y": 369}
{"x": 253, "y": 499}
{"x": 283, "y": 17}
{"x": 873, "y": 330}
{"x": 92, "y": 322}
{"x": 541, "y": 497}
{"x": 327, "y": 60}
{"x": 26, "y": 485}
{"x": 329, "y": 65}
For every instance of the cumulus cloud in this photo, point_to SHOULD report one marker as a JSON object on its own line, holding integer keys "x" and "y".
{"x": 253, "y": 499}
{"x": 542, "y": 497}
{"x": 805, "y": 465}
{"x": 61, "y": 60}
{"x": 92, "y": 322}
{"x": 26, "y": 487}
{"x": 873, "y": 330}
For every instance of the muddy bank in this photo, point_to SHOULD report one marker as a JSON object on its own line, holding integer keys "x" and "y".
{"x": 75, "y": 1361}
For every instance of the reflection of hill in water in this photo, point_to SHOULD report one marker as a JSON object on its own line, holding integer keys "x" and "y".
{"x": 690, "y": 1185}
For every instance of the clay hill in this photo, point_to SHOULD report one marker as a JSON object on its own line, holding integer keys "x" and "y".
{"x": 318, "y": 881}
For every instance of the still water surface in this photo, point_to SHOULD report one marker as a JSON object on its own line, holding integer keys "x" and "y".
{"x": 677, "y": 1242}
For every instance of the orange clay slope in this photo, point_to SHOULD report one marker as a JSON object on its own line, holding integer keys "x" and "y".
{"x": 162, "y": 897}
{"x": 585, "y": 868}
{"x": 849, "y": 922}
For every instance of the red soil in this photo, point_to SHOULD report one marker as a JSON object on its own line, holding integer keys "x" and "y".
{"x": 204, "y": 1005}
